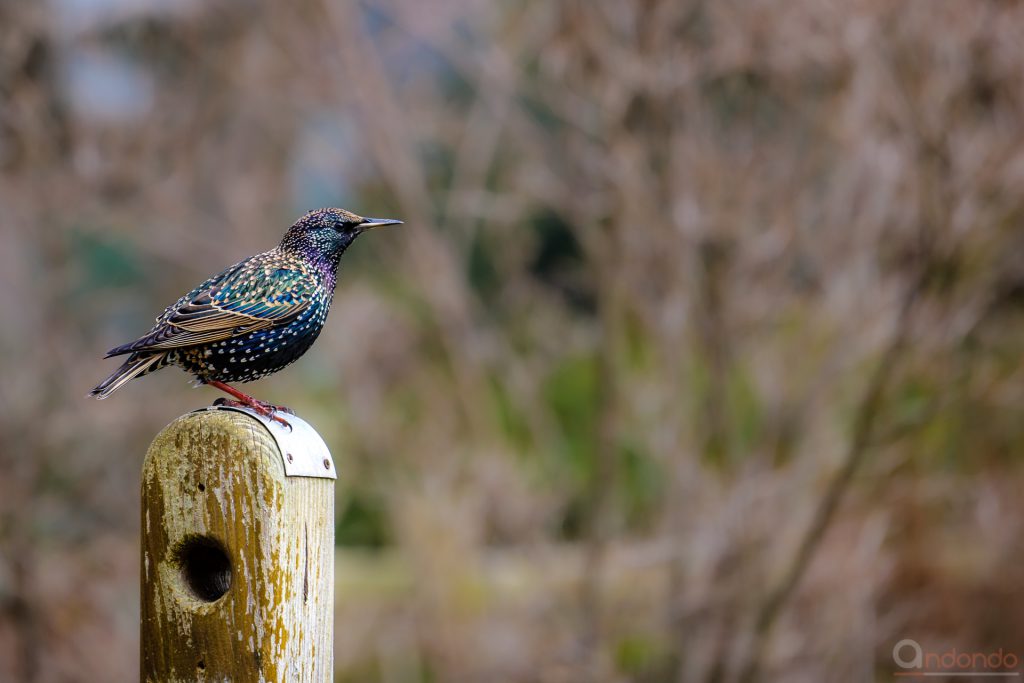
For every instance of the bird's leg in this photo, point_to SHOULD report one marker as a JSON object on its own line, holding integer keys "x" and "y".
{"x": 262, "y": 407}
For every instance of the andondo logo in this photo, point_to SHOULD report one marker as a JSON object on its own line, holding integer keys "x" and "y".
{"x": 917, "y": 661}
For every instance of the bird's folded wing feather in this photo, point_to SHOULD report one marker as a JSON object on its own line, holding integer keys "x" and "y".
{"x": 244, "y": 299}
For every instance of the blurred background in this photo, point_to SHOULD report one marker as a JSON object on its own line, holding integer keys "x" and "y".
{"x": 697, "y": 359}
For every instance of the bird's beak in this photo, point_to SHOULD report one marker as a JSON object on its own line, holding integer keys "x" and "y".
{"x": 377, "y": 222}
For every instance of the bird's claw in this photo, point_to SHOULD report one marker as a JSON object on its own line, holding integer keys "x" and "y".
{"x": 267, "y": 410}
{"x": 280, "y": 420}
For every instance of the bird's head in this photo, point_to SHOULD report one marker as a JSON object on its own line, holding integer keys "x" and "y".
{"x": 328, "y": 232}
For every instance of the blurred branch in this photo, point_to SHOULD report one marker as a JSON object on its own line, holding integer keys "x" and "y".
{"x": 867, "y": 413}
{"x": 605, "y": 475}
{"x": 437, "y": 268}
{"x": 713, "y": 263}
{"x": 22, "y": 610}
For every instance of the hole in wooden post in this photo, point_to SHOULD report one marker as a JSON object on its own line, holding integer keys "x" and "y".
{"x": 202, "y": 487}
{"x": 205, "y": 567}
{"x": 201, "y": 665}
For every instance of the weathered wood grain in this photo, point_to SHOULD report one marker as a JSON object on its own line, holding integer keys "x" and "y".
{"x": 215, "y": 499}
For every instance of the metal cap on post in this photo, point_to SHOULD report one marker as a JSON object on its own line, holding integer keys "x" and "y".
{"x": 237, "y": 551}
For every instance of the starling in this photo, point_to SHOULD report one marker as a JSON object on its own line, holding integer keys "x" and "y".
{"x": 254, "y": 318}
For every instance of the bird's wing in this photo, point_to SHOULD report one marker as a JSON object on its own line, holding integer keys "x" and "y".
{"x": 250, "y": 296}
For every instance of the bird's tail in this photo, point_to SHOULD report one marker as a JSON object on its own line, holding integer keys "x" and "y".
{"x": 135, "y": 366}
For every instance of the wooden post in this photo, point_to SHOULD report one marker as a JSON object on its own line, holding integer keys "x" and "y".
{"x": 237, "y": 553}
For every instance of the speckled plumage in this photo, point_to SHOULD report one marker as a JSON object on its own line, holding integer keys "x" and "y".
{"x": 254, "y": 318}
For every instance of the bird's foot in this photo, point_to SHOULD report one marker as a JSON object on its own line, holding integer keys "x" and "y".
{"x": 267, "y": 410}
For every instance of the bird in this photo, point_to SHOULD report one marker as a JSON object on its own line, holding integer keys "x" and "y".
{"x": 251, "y": 319}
